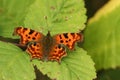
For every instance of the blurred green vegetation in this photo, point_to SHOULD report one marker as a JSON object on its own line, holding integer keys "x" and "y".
{"x": 101, "y": 38}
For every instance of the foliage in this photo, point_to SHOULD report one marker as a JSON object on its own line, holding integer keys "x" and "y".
{"x": 102, "y": 37}
{"x": 14, "y": 63}
{"x": 12, "y": 14}
{"x": 58, "y": 16}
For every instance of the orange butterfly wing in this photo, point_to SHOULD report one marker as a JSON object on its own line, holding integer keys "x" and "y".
{"x": 27, "y": 35}
{"x": 68, "y": 39}
{"x": 35, "y": 50}
{"x": 32, "y": 37}
{"x": 61, "y": 40}
{"x": 57, "y": 52}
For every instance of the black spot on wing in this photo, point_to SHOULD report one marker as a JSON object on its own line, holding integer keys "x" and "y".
{"x": 66, "y": 41}
{"x": 25, "y": 29}
{"x": 60, "y": 37}
{"x": 18, "y": 28}
{"x": 61, "y": 41}
{"x": 35, "y": 44}
{"x": 65, "y": 35}
{"x": 36, "y": 34}
{"x": 69, "y": 39}
{"x": 73, "y": 35}
{"x": 28, "y": 37}
{"x": 31, "y": 31}
{"x": 33, "y": 38}
{"x": 59, "y": 46}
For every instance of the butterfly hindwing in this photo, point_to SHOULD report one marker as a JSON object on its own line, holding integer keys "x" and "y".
{"x": 68, "y": 39}
{"x": 35, "y": 50}
{"x": 57, "y": 52}
{"x": 27, "y": 35}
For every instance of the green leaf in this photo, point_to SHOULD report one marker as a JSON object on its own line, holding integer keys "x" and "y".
{"x": 58, "y": 16}
{"x": 110, "y": 74}
{"x": 102, "y": 39}
{"x": 77, "y": 65}
{"x": 12, "y": 13}
{"x": 106, "y": 9}
{"x": 14, "y": 63}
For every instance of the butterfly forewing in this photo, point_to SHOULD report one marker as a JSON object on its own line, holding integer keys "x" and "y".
{"x": 27, "y": 35}
{"x": 68, "y": 39}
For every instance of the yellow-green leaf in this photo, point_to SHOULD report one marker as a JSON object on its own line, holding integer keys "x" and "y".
{"x": 77, "y": 65}
{"x": 57, "y": 16}
{"x": 102, "y": 39}
{"x": 14, "y": 63}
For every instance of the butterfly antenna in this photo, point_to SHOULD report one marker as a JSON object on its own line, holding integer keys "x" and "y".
{"x": 48, "y": 34}
{"x": 46, "y": 21}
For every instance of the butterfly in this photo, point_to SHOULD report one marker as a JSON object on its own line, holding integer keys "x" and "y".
{"x": 47, "y": 47}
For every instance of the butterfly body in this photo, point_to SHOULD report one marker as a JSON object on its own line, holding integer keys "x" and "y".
{"x": 47, "y": 41}
{"x": 47, "y": 47}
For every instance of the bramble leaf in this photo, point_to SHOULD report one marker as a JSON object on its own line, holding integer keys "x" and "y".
{"x": 102, "y": 39}
{"x": 14, "y": 63}
{"x": 57, "y": 16}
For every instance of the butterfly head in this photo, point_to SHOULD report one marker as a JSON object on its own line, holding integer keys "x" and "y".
{"x": 48, "y": 34}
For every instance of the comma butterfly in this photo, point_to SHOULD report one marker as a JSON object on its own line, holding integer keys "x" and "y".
{"x": 46, "y": 47}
